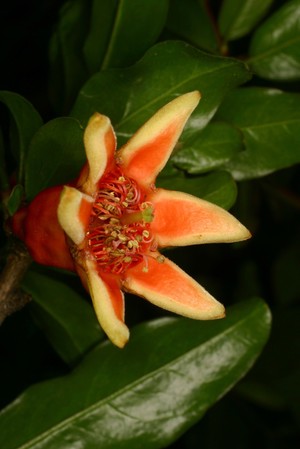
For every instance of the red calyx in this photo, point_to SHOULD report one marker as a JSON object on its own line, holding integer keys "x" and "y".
{"x": 37, "y": 225}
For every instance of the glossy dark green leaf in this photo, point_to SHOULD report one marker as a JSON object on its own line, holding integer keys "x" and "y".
{"x": 210, "y": 149}
{"x": 4, "y": 182}
{"x": 218, "y": 187}
{"x": 15, "y": 199}
{"x": 56, "y": 155}
{"x": 146, "y": 395}
{"x": 96, "y": 43}
{"x": 131, "y": 96}
{"x": 191, "y": 21}
{"x": 270, "y": 122}
{"x": 26, "y": 121}
{"x": 69, "y": 322}
{"x": 237, "y": 18}
{"x": 91, "y": 35}
{"x": 274, "y": 381}
{"x": 120, "y": 32}
{"x": 275, "y": 46}
{"x": 67, "y": 67}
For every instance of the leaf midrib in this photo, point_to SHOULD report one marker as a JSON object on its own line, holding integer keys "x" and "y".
{"x": 56, "y": 428}
{"x": 113, "y": 35}
{"x": 266, "y": 125}
{"x": 273, "y": 50}
{"x": 174, "y": 88}
{"x": 236, "y": 22}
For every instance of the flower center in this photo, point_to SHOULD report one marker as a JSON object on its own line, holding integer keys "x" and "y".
{"x": 119, "y": 233}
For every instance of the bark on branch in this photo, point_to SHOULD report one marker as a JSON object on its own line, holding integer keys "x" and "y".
{"x": 12, "y": 298}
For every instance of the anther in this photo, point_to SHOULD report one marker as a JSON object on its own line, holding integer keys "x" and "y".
{"x": 118, "y": 235}
{"x": 123, "y": 238}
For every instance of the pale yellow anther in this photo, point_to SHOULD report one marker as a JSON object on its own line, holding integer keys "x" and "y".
{"x": 123, "y": 238}
{"x": 132, "y": 244}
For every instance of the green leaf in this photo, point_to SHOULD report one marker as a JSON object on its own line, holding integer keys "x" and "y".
{"x": 67, "y": 67}
{"x": 274, "y": 381}
{"x": 120, "y": 32}
{"x": 56, "y": 155}
{"x": 210, "y": 149}
{"x": 275, "y": 46}
{"x": 4, "y": 181}
{"x": 15, "y": 199}
{"x": 146, "y": 395}
{"x": 269, "y": 120}
{"x": 102, "y": 17}
{"x": 68, "y": 321}
{"x": 237, "y": 18}
{"x": 91, "y": 35}
{"x": 26, "y": 121}
{"x": 191, "y": 20}
{"x": 218, "y": 187}
{"x": 131, "y": 96}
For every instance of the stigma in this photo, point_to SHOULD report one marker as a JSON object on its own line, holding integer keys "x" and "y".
{"x": 119, "y": 232}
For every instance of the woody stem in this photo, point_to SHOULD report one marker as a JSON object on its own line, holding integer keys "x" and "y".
{"x": 12, "y": 298}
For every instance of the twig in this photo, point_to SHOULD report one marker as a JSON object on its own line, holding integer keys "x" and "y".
{"x": 12, "y": 298}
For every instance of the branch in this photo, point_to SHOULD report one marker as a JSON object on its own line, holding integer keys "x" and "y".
{"x": 12, "y": 298}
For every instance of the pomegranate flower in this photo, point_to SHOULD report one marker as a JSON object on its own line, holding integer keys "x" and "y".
{"x": 115, "y": 220}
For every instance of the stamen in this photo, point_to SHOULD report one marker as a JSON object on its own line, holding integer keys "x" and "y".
{"x": 119, "y": 232}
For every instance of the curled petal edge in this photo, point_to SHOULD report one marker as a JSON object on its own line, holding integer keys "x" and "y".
{"x": 108, "y": 302}
{"x": 100, "y": 146}
{"x": 73, "y": 213}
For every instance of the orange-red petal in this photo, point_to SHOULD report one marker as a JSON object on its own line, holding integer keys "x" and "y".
{"x": 182, "y": 219}
{"x": 167, "y": 286}
{"x": 147, "y": 152}
{"x": 108, "y": 301}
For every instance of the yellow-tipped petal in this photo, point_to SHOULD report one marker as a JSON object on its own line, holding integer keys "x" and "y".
{"x": 73, "y": 213}
{"x": 100, "y": 145}
{"x": 108, "y": 301}
{"x": 147, "y": 152}
{"x": 167, "y": 286}
{"x": 181, "y": 219}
